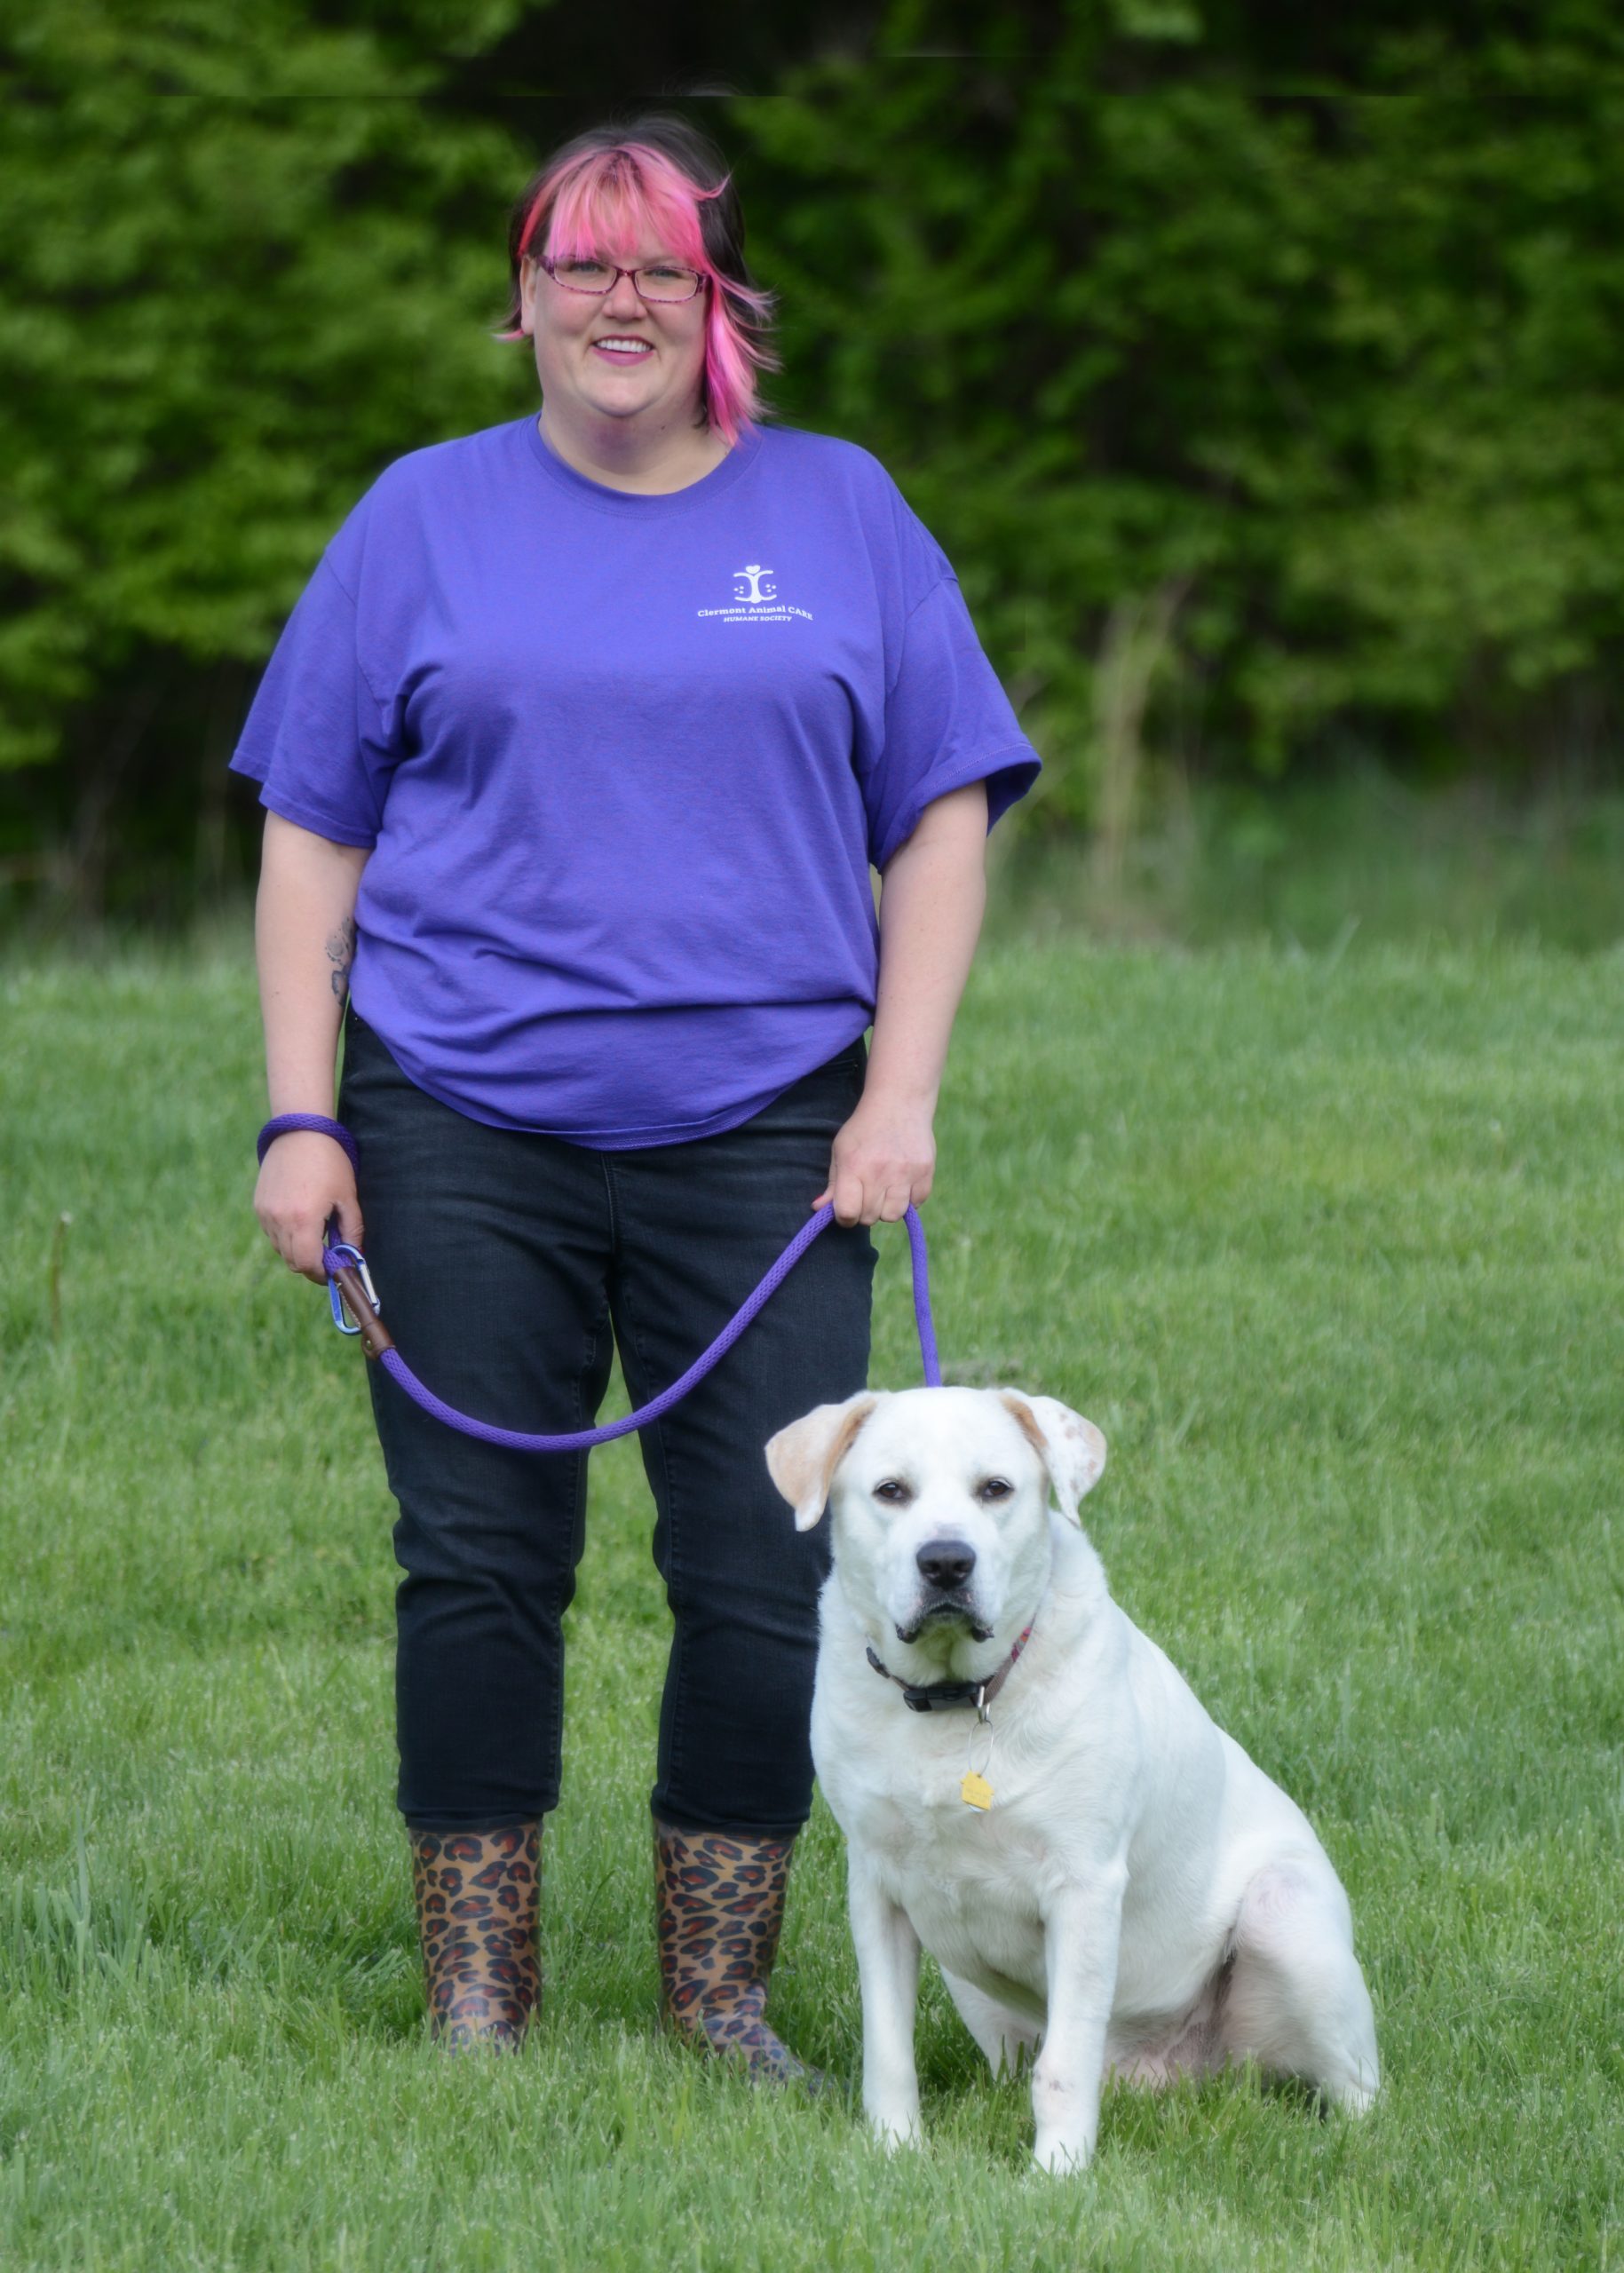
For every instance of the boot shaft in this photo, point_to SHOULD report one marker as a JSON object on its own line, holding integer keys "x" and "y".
{"x": 478, "y": 1898}
{"x": 719, "y": 1908}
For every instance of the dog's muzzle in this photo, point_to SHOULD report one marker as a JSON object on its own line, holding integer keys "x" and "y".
{"x": 946, "y": 1566}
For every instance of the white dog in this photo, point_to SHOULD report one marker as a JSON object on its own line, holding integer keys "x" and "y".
{"x": 1099, "y": 1871}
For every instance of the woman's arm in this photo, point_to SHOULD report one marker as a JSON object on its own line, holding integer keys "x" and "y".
{"x": 932, "y": 895}
{"x": 305, "y": 941}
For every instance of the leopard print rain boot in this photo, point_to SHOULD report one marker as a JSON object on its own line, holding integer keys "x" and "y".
{"x": 720, "y": 1903}
{"x": 478, "y": 1893}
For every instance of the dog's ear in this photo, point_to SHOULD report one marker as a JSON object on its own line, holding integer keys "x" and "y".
{"x": 1072, "y": 1449}
{"x": 802, "y": 1459}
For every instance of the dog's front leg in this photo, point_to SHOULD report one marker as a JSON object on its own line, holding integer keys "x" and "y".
{"x": 888, "y": 1971}
{"x": 1083, "y": 1928}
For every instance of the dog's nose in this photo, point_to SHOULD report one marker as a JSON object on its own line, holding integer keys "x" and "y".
{"x": 945, "y": 1563}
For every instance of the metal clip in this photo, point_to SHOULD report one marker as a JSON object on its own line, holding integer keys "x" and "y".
{"x": 969, "y": 1748}
{"x": 354, "y": 1256}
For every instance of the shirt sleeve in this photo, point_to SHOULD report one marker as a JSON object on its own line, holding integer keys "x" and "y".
{"x": 318, "y": 739}
{"x": 947, "y": 723}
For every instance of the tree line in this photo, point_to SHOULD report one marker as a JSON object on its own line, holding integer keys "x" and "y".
{"x": 1261, "y": 375}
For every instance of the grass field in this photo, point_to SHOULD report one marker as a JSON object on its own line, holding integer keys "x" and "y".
{"x": 1327, "y": 1244}
{"x": 1351, "y": 852}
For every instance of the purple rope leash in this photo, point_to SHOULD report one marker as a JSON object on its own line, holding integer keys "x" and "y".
{"x": 285, "y": 1122}
{"x": 344, "y": 1266}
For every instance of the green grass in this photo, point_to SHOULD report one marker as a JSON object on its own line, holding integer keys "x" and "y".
{"x": 1354, "y": 853}
{"x": 1329, "y": 1246}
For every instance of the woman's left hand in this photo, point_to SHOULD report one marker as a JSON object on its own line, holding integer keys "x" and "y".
{"x": 883, "y": 1162}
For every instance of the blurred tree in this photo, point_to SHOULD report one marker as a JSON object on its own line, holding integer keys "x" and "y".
{"x": 1325, "y": 383}
{"x": 243, "y": 261}
{"x": 1260, "y": 399}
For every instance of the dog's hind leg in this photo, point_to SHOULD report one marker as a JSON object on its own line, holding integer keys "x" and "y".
{"x": 1295, "y": 2001}
{"x": 1002, "y": 2034}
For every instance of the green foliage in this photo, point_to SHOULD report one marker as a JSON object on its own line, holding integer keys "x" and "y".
{"x": 1258, "y": 368}
{"x": 242, "y": 263}
{"x": 1332, "y": 381}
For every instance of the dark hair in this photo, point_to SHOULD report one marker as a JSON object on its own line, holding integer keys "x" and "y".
{"x": 659, "y": 167}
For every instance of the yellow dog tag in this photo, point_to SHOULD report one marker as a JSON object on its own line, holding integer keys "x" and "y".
{"x": 974, "y": 1791}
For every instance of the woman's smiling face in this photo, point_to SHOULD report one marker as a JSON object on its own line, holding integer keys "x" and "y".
{"x": 657, "y": 365}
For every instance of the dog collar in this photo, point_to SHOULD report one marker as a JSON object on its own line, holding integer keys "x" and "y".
{"x": 943, "y": 1696}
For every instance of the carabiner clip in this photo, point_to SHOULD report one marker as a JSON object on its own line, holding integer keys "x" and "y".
{"x": 358, "y": 1261}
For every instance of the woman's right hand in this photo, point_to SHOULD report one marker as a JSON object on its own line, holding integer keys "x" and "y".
{"x": 306, "y": 1177}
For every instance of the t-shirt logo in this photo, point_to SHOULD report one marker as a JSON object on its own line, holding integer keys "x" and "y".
{"x": 756, "y": 599}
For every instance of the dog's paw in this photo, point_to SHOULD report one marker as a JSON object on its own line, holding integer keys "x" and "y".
{"x": 1060, "y": 2158}
{"x": 895, "y": 2132}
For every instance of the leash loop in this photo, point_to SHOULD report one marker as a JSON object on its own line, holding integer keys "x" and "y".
{"x": 349, "y": 1287}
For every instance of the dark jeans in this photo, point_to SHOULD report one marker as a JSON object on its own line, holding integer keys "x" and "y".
{"x": 510, "y": 1266}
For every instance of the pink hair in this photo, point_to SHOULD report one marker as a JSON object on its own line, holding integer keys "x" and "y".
{"x": 602, "y": 204}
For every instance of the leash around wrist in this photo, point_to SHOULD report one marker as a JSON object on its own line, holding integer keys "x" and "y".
{"x": 349, "y": 1282}
{"x": 284, "y": 1124}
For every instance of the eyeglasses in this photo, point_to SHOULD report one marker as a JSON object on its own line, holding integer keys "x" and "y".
{"x": 661, "y": 282}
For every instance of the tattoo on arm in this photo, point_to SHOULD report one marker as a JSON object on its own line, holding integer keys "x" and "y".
{"x": 341, "y": 955}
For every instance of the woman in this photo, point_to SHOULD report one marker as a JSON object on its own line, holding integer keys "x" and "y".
{"x": 576, "y": 752}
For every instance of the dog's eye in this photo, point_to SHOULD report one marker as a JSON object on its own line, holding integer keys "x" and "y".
{"x": 891, "y": 1489}
{"x": 994, "y": 1487}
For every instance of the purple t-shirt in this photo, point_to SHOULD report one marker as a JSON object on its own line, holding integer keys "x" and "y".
{"x": 623, "y": 763}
